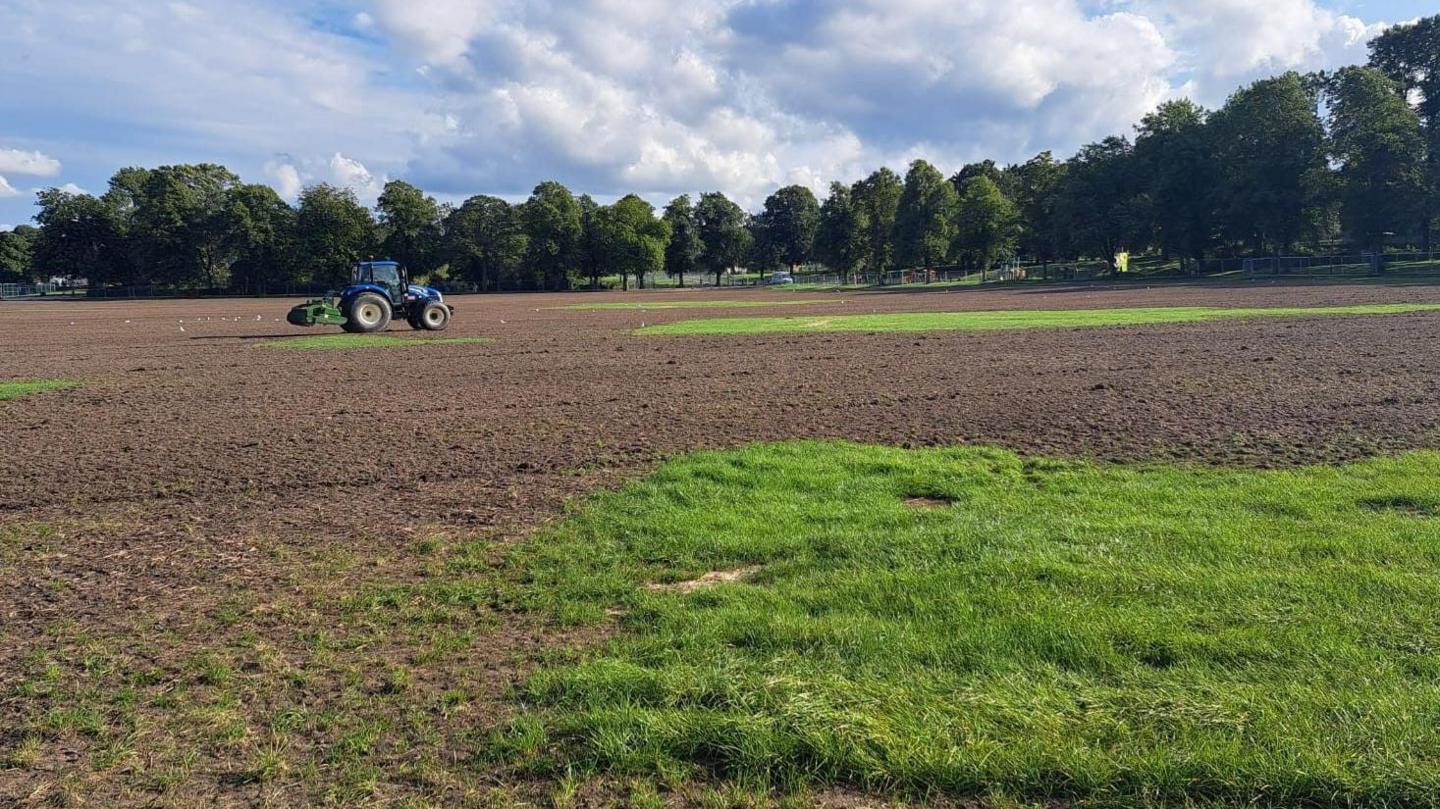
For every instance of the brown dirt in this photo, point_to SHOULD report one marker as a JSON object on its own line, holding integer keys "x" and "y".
{"x": 200, "y": 495}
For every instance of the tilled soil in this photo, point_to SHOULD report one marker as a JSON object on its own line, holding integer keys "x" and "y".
{"x": 195, "y": 465}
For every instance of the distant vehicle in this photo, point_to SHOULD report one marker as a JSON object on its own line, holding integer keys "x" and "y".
{"x": 378, "y": 291}
{"x": 780, "y": 279}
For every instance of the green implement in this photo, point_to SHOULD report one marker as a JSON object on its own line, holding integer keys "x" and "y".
{"x": 319, "y": 312}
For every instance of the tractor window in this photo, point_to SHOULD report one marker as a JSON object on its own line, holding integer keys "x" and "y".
{"x": 386, "y": 275}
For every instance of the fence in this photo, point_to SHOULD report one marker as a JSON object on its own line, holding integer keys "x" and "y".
{"x": 32, "y": 290}
{"x": 1357, "y": 264}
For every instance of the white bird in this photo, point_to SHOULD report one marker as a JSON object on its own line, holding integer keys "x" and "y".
{"x": 182, "y": 328}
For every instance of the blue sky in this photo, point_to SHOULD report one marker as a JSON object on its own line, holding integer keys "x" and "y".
{"x": 612, "y": 96}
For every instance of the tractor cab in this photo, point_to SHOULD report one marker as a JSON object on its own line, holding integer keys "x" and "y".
{"x": 387, "y": 275}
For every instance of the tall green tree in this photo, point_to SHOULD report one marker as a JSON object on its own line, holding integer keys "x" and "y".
{"x": 1100, "y": 204}
{"x": 333, "y": 232}
{"x": 81, "y": 237}
{"x": 485, "y": 243}
{"x": 1178, "y": 170}
{"x": 410, "y": 224}
{"x": 1410, "y": 54}
{"x": 17, "y": 253}
{"x": 554, "y": 227}
{"x": 1379, "y": 146}
{"x": 877, "y": 197}
{"x": 984, "y": 168}
{"x": 632, "y": 239}
{"x": 185, "y": 225}
{"x": 987, "y": 224}
{"x": 925, "y": 222}
{"x": 1269, "y": 145}
{"x": 590, "y": 259}
{"x": 724, "y": 237}
{"x": 262, "y": 239}
{"x": 840, "y": 240}
{"x": 1037, "y": 183}
{"x": 786, "y": 227}
{"x": 682, "y": 253}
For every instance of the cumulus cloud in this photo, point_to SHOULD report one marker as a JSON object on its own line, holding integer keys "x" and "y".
{"x": 1225, "y": 42}
{"x": 36, "y": 164}
{"x": 613, "y": 96}
{"x": 290, "y": 176}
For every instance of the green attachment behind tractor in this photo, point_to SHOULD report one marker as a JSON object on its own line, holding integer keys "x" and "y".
{"x": 319, "y": 312}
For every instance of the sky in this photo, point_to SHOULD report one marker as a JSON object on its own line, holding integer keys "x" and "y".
{"x": 658, "y": 97}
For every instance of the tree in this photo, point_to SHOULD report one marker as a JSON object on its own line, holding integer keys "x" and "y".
{"x": 17, "y": 253}
{"x": 632, "y": 240}
{"x": 1173, "y": 157}
{"x": 1269, "y": 145}
{"x": 840, "y": 239}
{"x": 485, "y": 243}
{"x": 985, "y": 168}
{"x": 724, "y": 239}
{"x": 1037, "y": 183}
{"x": 553, "y": 226}
{"x": 786, "y": 227}
{"x": 925, "y": 221}
{"x": 183, "y": 226}
{"x": 333, "y": 232}
{"x": 1410, "y": 55}
{"x": 987, "y": 224}
{"x": 262, "y": 239}
{"x": 589, "y": 252}
{"x": 410, "y": 222}
{"x": 1098, "y": 202}
{"x": 1380, "y": 149}
{"x": 80, "y": 237}
{"x": 877, "y": 198}
{"x": 682, "y": 254}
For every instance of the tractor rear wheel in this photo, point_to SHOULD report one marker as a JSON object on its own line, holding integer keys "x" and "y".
{"x": 367, "y": 312}
{"x": 435, "y": 317}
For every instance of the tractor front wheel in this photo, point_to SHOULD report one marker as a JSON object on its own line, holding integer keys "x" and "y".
{"x": 367, "y": 312}
{"x": 435, "y": 317}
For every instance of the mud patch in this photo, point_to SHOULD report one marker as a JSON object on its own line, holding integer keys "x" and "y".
{"x": 923, "y": 502}
{"x": 711, "y": 579}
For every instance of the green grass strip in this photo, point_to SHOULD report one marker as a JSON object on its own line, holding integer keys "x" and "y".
{"x": 1013, "y": 319}
{"x": 652, "y": 305}
{"x": 14, "y": 389}
{"x": 1031, "y": 629}
{"x": 347, "y": 341}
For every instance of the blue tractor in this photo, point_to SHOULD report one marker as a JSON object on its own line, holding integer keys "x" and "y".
{"x": 379, "y": 291}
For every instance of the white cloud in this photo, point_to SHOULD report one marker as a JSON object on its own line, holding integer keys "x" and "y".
{"x": 203, "y": 80}
{"x": 290, "y": 176}
{"x": 612, "y": 96}
{"x": 36, "y": 164}
{"x": 286, "y": 179}
{"x": 6, "y": 189}
{"x": 1226, "y": 42}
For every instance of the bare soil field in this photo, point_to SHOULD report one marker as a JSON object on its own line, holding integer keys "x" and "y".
{"x": 216, "y": 557}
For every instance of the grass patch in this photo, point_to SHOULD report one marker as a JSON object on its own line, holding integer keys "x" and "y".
{"x": 14, "y": 389}
{"x": 1122, "y": 636}
{"x": 654, "y": 305}
{"x": 1013, "y": 319}
{"x": 347, "y": 341}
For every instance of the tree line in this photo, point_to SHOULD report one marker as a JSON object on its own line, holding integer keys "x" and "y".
{"x": 1348, "y": 159}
